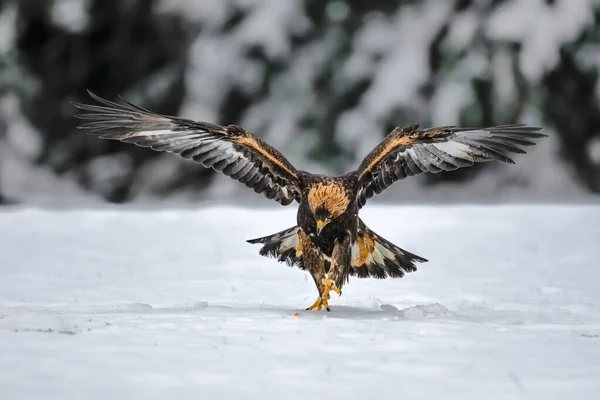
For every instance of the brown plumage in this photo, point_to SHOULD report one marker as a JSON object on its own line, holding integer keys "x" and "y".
{"x": 329, "y": 241}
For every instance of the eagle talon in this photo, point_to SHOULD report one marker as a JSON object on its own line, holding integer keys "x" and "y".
{"x": 323, "y": 300}
{"x": 320, "y": 303}
{"x": 329, "y": 284}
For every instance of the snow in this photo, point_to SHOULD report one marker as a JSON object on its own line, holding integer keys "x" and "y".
{"x": 71, "y": 14}
{"x": 20, "y": 176}
{"x": 594, "y": 150}
{"x": 152, "y": 303}
{"x": 554, "y": 26}
{"x": 398, "y": 80}
{"x": 8, "y": 20}
{"x": 451, "y": 97}
{"x": 462, "y": 31}
{"x": 269, "y": 27}
{"x": 337, "y": 11}
{"x": 209, "y": 12}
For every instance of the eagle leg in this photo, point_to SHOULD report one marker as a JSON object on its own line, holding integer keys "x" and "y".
{"x": 338, "y": 267}
{"x": 314, "y": 261}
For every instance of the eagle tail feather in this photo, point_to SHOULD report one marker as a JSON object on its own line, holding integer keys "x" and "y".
{"x": 376, "y": 257}
{"x": 282, "y": 245}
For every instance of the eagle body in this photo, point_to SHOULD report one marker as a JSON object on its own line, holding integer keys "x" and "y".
{"x": 345, "y": 246}
{"x": 329, "y": 240}
{"x": 345, "y": 224}
{"x": 333, "y": 194}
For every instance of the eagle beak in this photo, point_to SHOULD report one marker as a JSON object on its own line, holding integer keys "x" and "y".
{"x": 320, "y": 225}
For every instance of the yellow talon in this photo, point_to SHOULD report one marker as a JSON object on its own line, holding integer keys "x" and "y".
{"x": 317, "y": 303}
{"x": 329, "y": 284}
{"x": 320, "y": 303}
{"x": 323, "y": 299}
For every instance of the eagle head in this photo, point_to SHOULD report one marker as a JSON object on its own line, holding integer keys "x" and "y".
{"x": 327, "y": 201}
{"x": 323, "y": 216}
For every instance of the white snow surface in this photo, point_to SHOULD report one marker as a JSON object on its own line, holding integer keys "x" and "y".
{"x": 123, "y": 303}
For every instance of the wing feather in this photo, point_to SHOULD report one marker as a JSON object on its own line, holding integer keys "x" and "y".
{"x": 231, "y": 150}
{"x": 410, "y": 151}
{"x": 373, "y": 256}
{"x": 284, "y": 246}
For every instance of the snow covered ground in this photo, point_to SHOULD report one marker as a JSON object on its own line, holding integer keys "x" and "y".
{"x": 174, "y": 304}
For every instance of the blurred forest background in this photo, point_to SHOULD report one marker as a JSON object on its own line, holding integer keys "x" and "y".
{"x": 323, "y": 81}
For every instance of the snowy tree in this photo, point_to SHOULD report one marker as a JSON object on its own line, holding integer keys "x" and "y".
{"x": 321, "y": 81}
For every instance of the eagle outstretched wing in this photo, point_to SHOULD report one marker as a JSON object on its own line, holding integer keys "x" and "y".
{"x": 410, "y": 151}
{"x": 230, "y": 149}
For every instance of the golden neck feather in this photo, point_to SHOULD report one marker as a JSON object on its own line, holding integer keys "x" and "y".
{"x": 331, "y": 196}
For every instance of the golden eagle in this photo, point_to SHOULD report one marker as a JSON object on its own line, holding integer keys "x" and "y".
{"x": 330, "y": 241}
